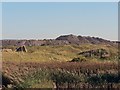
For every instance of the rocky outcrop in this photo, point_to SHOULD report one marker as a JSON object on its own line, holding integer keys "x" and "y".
{"x": 99, "y": 53}
{"x": 21, "y": 49}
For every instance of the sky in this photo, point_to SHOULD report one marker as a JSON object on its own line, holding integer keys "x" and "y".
{"x": 0, "y": 20}
{"x": 45, "y": 20}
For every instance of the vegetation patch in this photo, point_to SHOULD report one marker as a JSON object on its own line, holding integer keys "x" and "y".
{"x": 79, "y": 59}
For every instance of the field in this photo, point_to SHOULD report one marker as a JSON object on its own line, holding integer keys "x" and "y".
{"x": 52, "y": 67}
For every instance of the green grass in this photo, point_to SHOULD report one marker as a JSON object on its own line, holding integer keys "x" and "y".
{"x": 37, "y": 79}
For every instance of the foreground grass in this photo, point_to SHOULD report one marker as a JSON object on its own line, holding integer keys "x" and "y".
{"x": 62, "y": 74}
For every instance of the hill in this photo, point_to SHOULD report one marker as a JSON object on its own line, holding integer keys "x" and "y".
{"x": 61, "y": 40}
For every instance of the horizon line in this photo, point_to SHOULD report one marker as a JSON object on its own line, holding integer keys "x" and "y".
{"x": 55, "y": 38}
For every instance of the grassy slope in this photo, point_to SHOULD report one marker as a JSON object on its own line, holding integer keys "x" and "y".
{"x": 52, "y": 53}
{"x": 48, "y": 54}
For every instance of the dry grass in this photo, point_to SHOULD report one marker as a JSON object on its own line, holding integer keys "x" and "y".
{"x": 17, "y": 66}
{"x": 30, "y": 74}
{"x": 53, "y": 53}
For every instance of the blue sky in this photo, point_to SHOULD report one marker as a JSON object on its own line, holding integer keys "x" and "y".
{"x": 49, "y": 20}
{"x": 0, "y": 20}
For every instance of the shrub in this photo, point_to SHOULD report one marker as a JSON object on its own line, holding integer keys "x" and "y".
{"x": 79, "y": 59}
{"x": 65, "y": 78}
{"x": 104, "y": 78}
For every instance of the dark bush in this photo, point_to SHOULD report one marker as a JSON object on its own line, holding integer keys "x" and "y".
{"x": 104, "y": 78}
{"x": 79, "y": 59}
{"x": 65, "y": 77}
